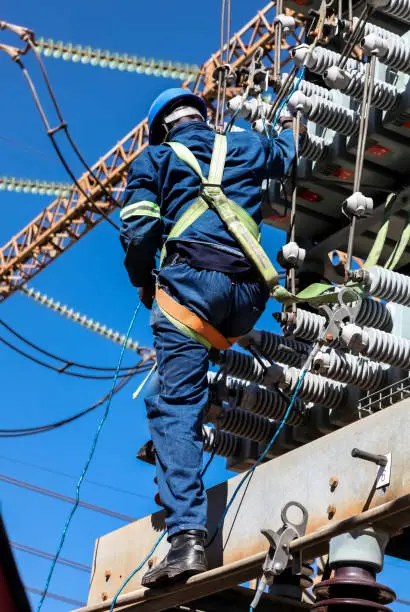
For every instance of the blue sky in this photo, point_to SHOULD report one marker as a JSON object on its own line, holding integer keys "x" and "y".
{"x": 100, "y": 106}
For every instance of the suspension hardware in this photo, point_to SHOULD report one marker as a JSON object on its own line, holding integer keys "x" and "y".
{"x": 357, "y": 205}
{"x": 278, "y": 556}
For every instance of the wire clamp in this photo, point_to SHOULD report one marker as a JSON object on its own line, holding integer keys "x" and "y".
{"x": 342, "y": 313}
{"x": 279, "y": 555}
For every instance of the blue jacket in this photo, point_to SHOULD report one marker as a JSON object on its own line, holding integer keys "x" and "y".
{"x": 160, "y": 187}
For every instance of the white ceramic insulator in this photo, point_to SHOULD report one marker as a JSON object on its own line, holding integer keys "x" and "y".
{"x": 242, "y": 365}
{"x": 385, "y": 96}
{"x": 400, "y": 9}
{"x": 308, "y": 325}
{"x": 350, "y": 369}
{"x": 387, "y": 348}
{"x": 260, "y": 400}
{"x": 314, "y": 388}
{"x": 278, "y": 348}
{"x": 321, "y": 59}
{"x": 245, "y": 424}
{"x": 388, "y": 285}
{"x": 224, "y": 444}
{"x": 313, "y": 147}
{"x": 326, "y": 113}
{"x": 83, "y": 320}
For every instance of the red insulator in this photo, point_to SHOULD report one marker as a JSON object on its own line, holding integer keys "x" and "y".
{"x": 352, "y": 588}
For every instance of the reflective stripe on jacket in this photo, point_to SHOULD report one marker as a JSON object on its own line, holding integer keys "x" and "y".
{"x": 160, "y": 187}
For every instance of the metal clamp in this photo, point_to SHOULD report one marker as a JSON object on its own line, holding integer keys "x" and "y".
{"x": 278, "y": 555}
{"x": 344, "y": 312}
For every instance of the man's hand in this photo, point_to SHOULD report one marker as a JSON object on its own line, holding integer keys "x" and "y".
{"x": 146, "y": 295}
{"x": 287, "y": 123}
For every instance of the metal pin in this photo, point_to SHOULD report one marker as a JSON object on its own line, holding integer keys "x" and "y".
{"x": 378, "y": 459}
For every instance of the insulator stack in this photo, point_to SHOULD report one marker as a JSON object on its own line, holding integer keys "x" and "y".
{"x": 385, "y": 284}
{"x": 313, "y": 147}
{"x": 349, "y": 369}
{"x": 260, "y": 400}
{"x": 393, "y": 52}
{"x": 308, "y": 325}
{"x": 377, "y": 345}
{"x": 83, "y": 320}
{"x": 352, "y": 587}
{"x": 241, "y": 365}
{"x": 277, "y": 348}
{"x": 312, "y": 89}
{"x": 245, "y": 424}
{"x": 313, "y": 388}
{"x": 400, "y": 9}
{"x": 326, "y": 113}
{"x": 321, "y": 59}
{"x": 371, "y": 28}
{"x": 385, "y": 96}
{"x": 224, "y": 444}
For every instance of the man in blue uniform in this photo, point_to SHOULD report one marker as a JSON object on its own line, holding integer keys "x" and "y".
{"x": 199, "y": 195}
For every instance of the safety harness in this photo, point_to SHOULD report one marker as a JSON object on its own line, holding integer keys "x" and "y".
{"x": 239, "y": 224}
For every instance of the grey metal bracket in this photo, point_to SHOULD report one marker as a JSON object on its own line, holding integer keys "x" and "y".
{"x": 278, "y": 555}
{"x": 342, "y": 313}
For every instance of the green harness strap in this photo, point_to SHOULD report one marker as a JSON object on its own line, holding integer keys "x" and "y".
{"x": 239, "y": 223}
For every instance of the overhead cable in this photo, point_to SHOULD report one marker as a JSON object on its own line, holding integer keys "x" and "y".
{"x": 65, "y": 475}
{"x": 141, "y": 367}
{"x": 44, "y": 555}
{"x": 35, "y": 186}
{"x": 15, "y": 54}
{"x": 62, "y": 598}
{"x": 30, "y": 431}
{"x": 64, "y": 498}
{"x": 116, "y": 61}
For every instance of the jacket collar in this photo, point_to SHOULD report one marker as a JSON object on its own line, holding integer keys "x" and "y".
{"x": 187, "y": 127}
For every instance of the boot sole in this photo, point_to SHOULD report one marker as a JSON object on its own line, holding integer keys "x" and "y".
{"x": 170, "y": 575}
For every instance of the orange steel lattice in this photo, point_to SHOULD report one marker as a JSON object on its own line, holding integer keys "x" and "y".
{"x": 69, "y": 218}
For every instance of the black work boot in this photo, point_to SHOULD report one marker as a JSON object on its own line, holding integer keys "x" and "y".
{"x": 185, "y": 558}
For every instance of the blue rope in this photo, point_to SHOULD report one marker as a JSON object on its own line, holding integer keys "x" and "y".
{"x": 286, "y": 100}
{"x": 87, "y": 464}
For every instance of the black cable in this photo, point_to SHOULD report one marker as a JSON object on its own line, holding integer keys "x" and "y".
{"x": 29, "y": 431}
{"x": 141, "y": 368}
{"x": 69, "y": 362}
{"x": 50, "y": 133}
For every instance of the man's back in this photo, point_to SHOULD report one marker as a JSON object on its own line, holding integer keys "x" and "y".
{"x": 175, "y": 186}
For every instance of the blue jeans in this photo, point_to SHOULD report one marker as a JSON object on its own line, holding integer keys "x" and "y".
{"x": 177, "y": 398}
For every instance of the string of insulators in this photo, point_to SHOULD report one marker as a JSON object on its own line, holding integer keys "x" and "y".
{"x": 36, "y": 186}
{"x": 257, "y": 399}
{"x": 277, "y": 348}
{"x": 308, "y": 325}
{"x": 350, "y": 369}
{"x": 83, "y": 320}
{"x": 116, "y": 61}
{"x": 222, "y": 443}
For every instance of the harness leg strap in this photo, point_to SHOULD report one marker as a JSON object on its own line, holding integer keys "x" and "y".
{"x": 190, "y": 323}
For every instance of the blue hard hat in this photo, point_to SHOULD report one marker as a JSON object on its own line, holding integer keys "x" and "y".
{"x": 159, "y": 105}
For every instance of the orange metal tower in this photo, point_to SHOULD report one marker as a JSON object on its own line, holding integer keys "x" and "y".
{"x": 67, "y": 219}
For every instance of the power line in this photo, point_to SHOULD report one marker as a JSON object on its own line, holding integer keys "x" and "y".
{"x": 29, "y": 431}
{"x": 45, "y": 555}
{"x": 405, "y": 602}
{"x": 56, "y": 357}
{"x": 36, "y": 489}
{"x": 64, "y": 370}
{"x": 65, "y": 475}
{"x": 68, "y": 600}
{"x": 116, "y": 61}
